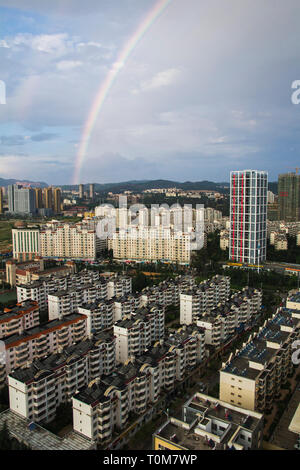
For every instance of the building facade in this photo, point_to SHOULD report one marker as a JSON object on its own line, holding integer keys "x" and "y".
{"x": 289, "y": 197}
{"x": 248, "y": 216}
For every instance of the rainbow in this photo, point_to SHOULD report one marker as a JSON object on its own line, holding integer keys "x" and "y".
{"x": 107, "y": 84}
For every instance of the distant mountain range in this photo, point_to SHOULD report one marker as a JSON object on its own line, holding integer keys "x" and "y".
{"x": 35, "y": 184}
{"x": 141, "y": 185}
{"x": 157, "y": 184}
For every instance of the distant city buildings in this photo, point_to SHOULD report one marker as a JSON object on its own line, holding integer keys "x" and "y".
{"x": 81, "y": 191}
{"x": 57, "y": 240}
{"x": 248, "y": 216}
{"x": 21, "y": 200}
{"x": 30, "y": 201}
{"x": 92, "y": 191}
{"x": 152, "y": 244}
{"x": 289, "y": 197}
{"x": 1, "y": 200}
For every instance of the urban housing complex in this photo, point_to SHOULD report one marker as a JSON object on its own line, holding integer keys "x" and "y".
{"x": 107, "y": 352}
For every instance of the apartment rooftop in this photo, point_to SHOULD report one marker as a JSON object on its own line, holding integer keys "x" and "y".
{"x": 19, "y": 309}
{"x": 294, "y": 298}
{"x": 196, "y": 432}
{"x": 42, "y": 368}
{"x": 211, "y": 407}
{"x": 153, "y": 355}
{"x": 187, "y": 439}
{"x": 183, "y": 334}
{"x": 95, "y": 305}
{"x": 93, "y": 394}
{"x": 259, "y": 350}
{"x": 37, "y": 330}
{"x": 140, "y": 315}
{"x": 38, "y": 438}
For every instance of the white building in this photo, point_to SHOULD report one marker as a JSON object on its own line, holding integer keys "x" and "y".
{"x": 39, "y": 290}
{"x": 35, "y": 392}
{"x": 203, "y": 298}
{"x": 17, "y": 319}
{"x": 26, "y": 243}
{"x": 103, "y": 408}
{"x": 40, "y": 341}
{"x": 76, "y": 241}
{"x": 138, "y": 331}
{"x": 152, "y": 244}
{"x": 222, "y": 322}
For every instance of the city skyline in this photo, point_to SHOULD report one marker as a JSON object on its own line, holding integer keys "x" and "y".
{"x": 214, "y": 96}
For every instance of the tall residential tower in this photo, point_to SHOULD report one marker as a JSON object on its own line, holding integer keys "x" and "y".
{"x": 248, "y": 216}
{"x": 289, "y": 197}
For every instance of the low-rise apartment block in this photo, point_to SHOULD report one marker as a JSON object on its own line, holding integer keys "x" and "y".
{"x": 64, "y": 302}
{"x": 26, "y": 272}
{"x": 253, "y": 376}
{"x": 137, "y": 332}
{"x": 17, "y": 319}
{"x": 123, "y": 306}
{"x": 100, "y": 315}
{"x": 39, "y": 290}
{"x": 105, "y": 406}
{"x": 231, "y": 316}
{"x": 208, "y": 423}
{"x": 40, "y": 341}
{"x": 118, "y": 286}
{"x": 36, "y": 392}
{"x": 203, "y": 298}
{"x": 167, "y": 292}
{"x": 179, "y": 354}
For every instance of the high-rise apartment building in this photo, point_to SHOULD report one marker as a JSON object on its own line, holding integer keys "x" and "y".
{"x": 57, "y": 200}
{"x": 26, "y": 242}
{"x": 48, "y": 198}
{"x": 81, "y": 191}
{"x": 38, "y": 198}
{"x": 289, "y": 197}
{"x": 248, "y": 216}
{"x": 21, "y": 200}
{"x": 92, "y": 191}
{"x": 1, "y": 200}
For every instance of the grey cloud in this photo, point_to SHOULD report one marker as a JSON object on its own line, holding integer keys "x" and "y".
{"x": 43, "y": 136}
{"x": 11, "y": 140}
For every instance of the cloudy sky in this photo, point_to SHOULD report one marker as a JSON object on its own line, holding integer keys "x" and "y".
{"x": 207, "y": 89}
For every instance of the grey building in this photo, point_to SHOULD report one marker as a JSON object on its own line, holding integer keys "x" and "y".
{"x": 21, "y": 200}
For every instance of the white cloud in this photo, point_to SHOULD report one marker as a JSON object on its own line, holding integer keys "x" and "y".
{"x": 4, "y": 44}
{"x": 68, "y": 64}
{"x": 48, "y": 43}
{"x": 161, "y": 79}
